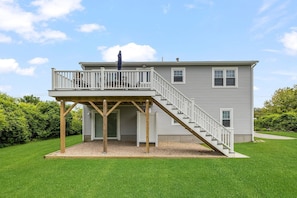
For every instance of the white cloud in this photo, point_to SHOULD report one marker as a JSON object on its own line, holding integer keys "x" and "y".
{"x": 271, "y": 50}
{"x": 38, "y": 61}
{"x": 291, "y": 75}
{"x": 166, "y": 8}
{"x": 256, "y": 88}
{"x": 14, "y": 18}
{"x": 101, "y": 48}
{"x": 5, "y": 39}
{"x": 12, "y": 66}
{"x": 49, "y": 35}
{"x": 205, "y": 2}
{"x": 48, "y": 9}
{"x": 130, "y": 52}
{"x": 91, "y": 27}
{"x": 266, "y": 5}
{"x": 31, "y": 26}
{"x": 272, "y": 15}
{"x": 26, "y": 71}
{"x": 5, "y": 88}
{"x": 289, "y": 40}
{"x": 190, "y": 6}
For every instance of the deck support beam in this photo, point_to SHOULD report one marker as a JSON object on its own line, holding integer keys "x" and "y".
{"x": 104, "y": 126}
{"x": 62, "y": 126}
{"x": 147, "y": 120}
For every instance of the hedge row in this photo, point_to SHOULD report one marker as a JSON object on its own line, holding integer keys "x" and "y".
{"x": 22, "y": 121}
{"x": 277, "y": 122}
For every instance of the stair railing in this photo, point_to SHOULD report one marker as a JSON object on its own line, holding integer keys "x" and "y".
{"x": 188, "y": 107}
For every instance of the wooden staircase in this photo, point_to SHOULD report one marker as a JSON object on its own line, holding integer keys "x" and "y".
{"x": 191, "y": 116}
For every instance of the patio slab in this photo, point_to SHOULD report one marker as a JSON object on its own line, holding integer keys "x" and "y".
{"x": 118, "y": 149}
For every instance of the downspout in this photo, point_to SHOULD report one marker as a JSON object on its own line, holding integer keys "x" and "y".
{"x": 252, "y": 99}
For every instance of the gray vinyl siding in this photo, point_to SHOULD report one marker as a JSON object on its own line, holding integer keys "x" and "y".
{"x": 199, "y": 86}
{"x": 87, "y": 120}
{"x": 128, "y": 119}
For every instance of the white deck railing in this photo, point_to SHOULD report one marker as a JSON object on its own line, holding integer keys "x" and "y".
{"x": 101, "y": 79}
{"x": 144, "y": 79}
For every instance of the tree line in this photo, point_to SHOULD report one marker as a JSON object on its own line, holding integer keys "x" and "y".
{"x": 27, "y": 119}
{"x": 280, "y": 112}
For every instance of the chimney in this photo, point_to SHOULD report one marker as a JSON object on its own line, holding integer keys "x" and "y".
{"x": 177, "y": 59}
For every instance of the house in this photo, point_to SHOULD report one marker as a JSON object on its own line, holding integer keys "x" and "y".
{"x": 150, "y": 102}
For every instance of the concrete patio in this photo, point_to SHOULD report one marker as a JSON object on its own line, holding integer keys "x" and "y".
{"x": 119, "y": 149}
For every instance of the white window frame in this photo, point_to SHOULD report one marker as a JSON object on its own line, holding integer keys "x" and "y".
{"x": 224, "y": 69}
{"x": 173, "y": 69}
{"x": 231, "y": 116}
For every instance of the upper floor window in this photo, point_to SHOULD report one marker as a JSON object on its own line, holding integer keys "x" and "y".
{"x": 178, "y": 75}
{"x": 224, "y": 77}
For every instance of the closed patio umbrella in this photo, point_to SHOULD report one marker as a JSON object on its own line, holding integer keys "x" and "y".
{"x": 119, "y": 60}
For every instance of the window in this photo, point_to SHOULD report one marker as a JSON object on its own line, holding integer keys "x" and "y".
{"x": 178, "y": 75}
{"x": 227, "y": 118}
{"x": 224, "y": 77}
{"x": 219, "y": 78}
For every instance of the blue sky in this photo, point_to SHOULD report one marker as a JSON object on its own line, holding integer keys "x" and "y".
{"x": 36, "y": 35}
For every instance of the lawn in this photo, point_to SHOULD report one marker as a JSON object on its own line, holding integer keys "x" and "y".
{"x": 269, "y": 172}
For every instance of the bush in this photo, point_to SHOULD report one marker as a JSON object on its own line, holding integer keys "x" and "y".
{"x": 15, "y": 129}
{"x": 286, "y": 122}
{"x": 28, "y": 118}
{"x": 279, "y": 122}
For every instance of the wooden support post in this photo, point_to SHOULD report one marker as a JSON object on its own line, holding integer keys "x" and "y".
{"x": 147, "y": 116}
{"x": 104, "y": 126}
{"x": 136, "y": 105}
{"x": 62, "y": 126}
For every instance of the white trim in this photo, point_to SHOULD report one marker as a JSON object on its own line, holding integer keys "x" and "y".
{"x": 93, "y": 112}
{"x": 183, "y": 69}
{"x": 224, "y": 69}
{"x": 231, "y": 117}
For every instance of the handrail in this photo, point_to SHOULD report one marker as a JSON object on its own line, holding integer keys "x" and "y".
{"x": 193, "y": 111}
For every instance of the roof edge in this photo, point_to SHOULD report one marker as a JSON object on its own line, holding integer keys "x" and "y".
{"x": 252, "y": 63}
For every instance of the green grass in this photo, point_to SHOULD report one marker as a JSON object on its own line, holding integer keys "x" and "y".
{"x": 270, "y": 172}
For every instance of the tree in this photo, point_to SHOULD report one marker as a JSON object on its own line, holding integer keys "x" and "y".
{"x": 35, "y": 120}
{"x": 279, "y": 113}
{"x": 15, "y": 128}
{"x": 76, "y": 126}
{"x": 30, "y": 99}
{"x": 51, "y": 114}
{"x": 28, "y": 118}
{"x": 283, "y": 100}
